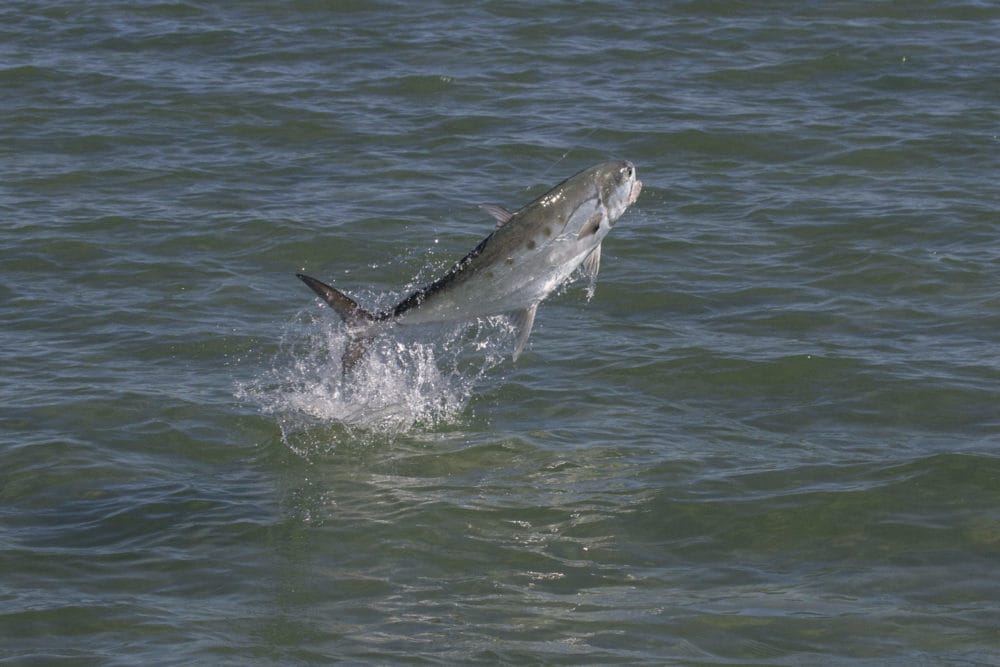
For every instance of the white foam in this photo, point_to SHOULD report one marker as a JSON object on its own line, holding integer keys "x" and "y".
{"x": 411, "y": 379}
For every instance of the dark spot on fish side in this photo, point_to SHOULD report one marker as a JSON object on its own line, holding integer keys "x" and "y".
{"x": 547, "y": 231}
{"x": 531, "y": 244}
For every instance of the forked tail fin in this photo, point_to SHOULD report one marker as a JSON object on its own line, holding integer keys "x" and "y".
{"x": 358, "y": 320}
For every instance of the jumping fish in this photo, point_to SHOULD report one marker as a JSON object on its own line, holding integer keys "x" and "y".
{"x": 532, "y": 251}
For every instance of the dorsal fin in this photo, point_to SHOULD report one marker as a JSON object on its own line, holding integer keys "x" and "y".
{"x": 499, "y": 213}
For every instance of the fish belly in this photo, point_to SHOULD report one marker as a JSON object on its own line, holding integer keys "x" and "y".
{"x": 499, "y": 288}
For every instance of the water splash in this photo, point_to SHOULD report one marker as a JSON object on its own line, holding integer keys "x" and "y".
{"x": 411, "y": 379}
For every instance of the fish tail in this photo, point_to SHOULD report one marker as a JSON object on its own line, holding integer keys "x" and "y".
{"x": 358, "y": 320}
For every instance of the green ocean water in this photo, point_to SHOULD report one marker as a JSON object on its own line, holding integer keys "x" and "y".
{"x": 772, "y": 436}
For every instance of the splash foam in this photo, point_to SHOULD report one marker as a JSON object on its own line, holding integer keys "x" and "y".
{"x": 411, "y": 379}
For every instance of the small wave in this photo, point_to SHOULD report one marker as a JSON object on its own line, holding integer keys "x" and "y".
{"x": 411, "y": 379}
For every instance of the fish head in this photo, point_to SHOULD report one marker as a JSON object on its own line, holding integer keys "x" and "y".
{"x": 619, "y": 186}
{"x": 595, "y": 199}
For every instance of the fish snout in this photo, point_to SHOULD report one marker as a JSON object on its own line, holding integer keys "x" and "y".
{"x": 630, "y": 172}
{"x": 634, "y": 194}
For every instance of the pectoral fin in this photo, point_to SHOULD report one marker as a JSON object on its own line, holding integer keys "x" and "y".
{"x": 523, "y": 320}
{"x": 591, "y": 265}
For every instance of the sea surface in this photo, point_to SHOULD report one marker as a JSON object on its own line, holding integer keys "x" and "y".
{"x": 772, "y": 437}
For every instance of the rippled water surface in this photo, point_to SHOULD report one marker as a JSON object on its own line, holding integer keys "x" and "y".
{"x": 771, "y": 437}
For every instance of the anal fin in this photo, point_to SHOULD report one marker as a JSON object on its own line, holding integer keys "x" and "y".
{"x": 591, "y": 265}
{"x": 523, "y": 320}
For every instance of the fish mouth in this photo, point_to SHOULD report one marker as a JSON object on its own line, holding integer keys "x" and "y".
{"x": 634, "y": 192}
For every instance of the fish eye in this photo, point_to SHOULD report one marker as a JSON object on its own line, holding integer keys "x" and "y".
{"x": 628, "y": 170}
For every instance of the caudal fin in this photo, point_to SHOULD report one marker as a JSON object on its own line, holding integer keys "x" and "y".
{"x": 358, "y": 320}
{"x": 346, "y": 307}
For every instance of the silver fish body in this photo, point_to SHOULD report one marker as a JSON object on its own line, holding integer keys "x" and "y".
{"x": 533, "y": 251}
